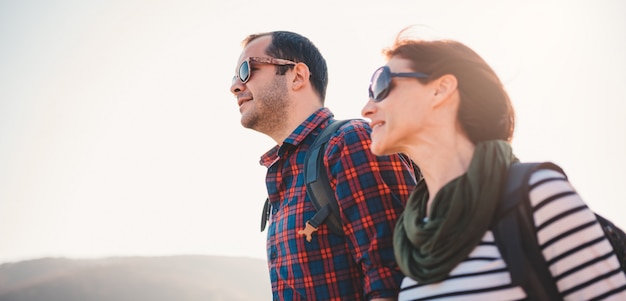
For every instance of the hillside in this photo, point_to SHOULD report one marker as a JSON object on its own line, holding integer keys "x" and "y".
{"x": 179, "y": 278}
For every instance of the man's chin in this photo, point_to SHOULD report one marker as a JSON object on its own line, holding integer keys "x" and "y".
{"x": 247, "y": 122}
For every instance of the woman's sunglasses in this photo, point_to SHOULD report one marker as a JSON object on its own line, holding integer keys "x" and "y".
{"x": 380, "y": 85}
{"x": 244, "y": 69}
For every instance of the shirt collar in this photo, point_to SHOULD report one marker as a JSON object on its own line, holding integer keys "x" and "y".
{"x": 309, "y": 125}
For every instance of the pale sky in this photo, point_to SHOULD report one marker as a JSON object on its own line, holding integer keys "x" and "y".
{"x": 119, "y": 136}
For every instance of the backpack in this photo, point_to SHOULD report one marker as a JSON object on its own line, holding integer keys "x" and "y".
{"x": 515, "y": 235}
{"x": 317, "y": 184}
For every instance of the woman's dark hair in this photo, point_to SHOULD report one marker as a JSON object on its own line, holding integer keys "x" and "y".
{"x": 295, "y": 47}
{"x": 485, "y": 109}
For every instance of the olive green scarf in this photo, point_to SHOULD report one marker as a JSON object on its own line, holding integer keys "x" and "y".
{"x": 460, "y": 214}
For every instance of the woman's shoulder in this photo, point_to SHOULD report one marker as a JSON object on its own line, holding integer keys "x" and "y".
{"x": 550, "y": 188}
{"x": 543, "y": 175}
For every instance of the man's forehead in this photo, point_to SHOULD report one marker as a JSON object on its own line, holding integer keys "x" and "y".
{"x": 255, "y": 47}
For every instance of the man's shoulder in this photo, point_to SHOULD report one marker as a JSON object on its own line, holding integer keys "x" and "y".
{"x": 353, "y": 125}
{"x": 353, "y": 134}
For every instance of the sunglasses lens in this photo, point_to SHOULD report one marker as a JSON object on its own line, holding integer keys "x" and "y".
{"x": 379, "y": 85}
{"x": 244, "y": 71}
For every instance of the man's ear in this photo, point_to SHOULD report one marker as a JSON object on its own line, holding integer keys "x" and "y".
{"x": 301, "y": 76}
{"x": 444, "y": 86}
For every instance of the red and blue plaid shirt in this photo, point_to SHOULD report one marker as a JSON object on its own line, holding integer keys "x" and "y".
{"x": 371, "y": 192}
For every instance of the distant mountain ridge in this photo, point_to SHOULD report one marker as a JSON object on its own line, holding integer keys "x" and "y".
{"x": 171, "y": 278}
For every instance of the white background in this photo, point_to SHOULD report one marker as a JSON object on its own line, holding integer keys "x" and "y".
{"x": 118, "y": 134}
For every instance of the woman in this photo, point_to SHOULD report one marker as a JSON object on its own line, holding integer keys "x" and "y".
{"x": 440, "y": 103}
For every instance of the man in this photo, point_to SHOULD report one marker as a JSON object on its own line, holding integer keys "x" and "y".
{"x": 280, "y": 86}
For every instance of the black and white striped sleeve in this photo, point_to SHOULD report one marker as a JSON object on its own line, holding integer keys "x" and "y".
{"x": 580, "y": 257}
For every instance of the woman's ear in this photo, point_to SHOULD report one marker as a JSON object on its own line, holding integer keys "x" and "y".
{"x": 302, "y": 74}
{"x": 445, "y": 86}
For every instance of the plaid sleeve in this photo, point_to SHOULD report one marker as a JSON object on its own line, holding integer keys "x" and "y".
{"x": 371, "y": 192}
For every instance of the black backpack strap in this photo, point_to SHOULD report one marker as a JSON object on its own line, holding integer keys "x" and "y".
{"x": 265, "y": 215}
{"x": 318, "y": 183}
{"x": 616, "y": 237}
{"x": 514, "y": 233}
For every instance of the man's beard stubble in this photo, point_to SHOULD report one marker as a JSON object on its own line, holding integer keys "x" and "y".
{"x": 271, "y": 108}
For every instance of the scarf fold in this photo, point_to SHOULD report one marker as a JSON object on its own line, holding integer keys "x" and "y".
{"x": 461, "y": 213}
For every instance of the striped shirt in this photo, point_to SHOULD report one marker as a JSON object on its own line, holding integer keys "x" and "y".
{"x": 580, "y": 258}
{"x": 371, "y": 192}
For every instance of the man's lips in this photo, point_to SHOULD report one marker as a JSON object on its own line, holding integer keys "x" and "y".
{"x": 241, "y": 100}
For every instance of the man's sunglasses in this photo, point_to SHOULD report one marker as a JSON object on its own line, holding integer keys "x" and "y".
{"x": 244, "y": 71}
{"x": 380, "y": 85}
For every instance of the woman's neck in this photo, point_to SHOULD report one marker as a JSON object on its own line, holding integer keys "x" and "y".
{"x": 442, "y": 161}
